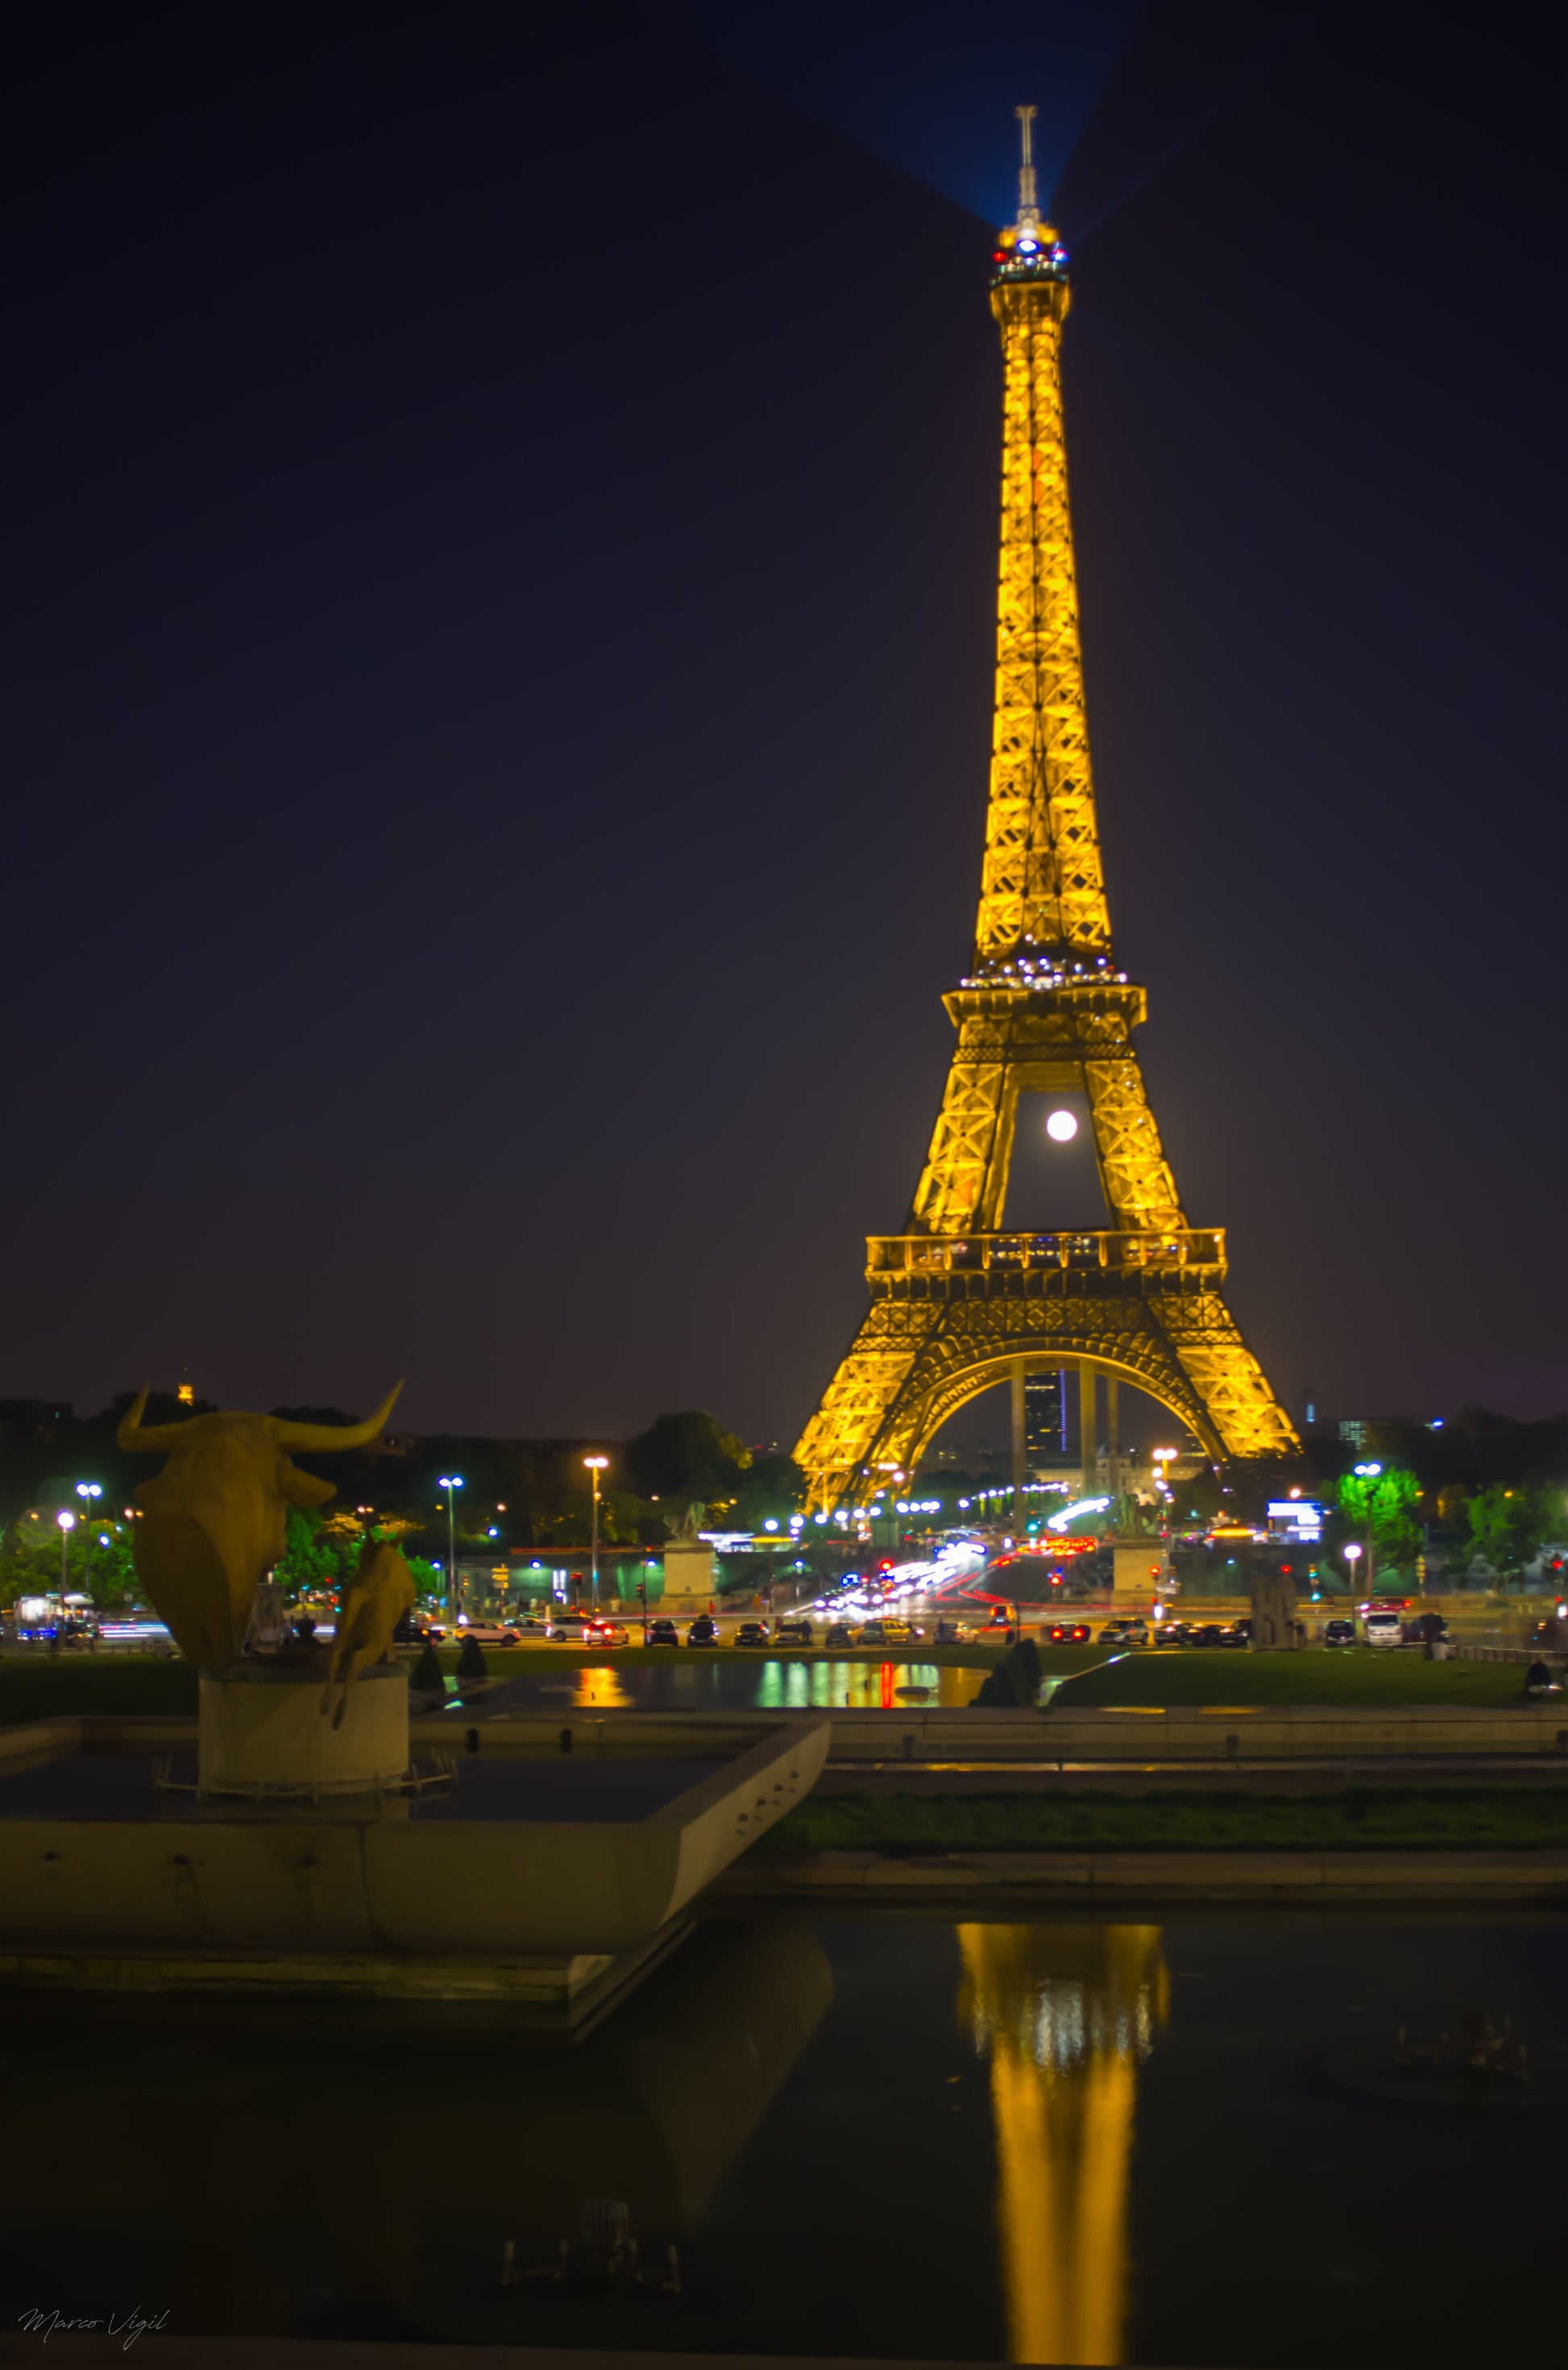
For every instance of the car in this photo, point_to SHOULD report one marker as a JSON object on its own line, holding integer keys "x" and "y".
{"x": 1209, "y": 1634}
{"x": 1069, "y": 1633}
{"x": 490, "y": 1633}
{"x": 792, "y": 1633}
{"x": 752, "y": 1633}
{"x": 1173, "y": 1633}
{"x": 703, "y": 1631}
{"x": 1383, "y": 1629}
{"x": 952, "y": 1633}
{"x": 839, "y": 1633}
{"x": 664, "y": 1632}
{"x": 606, "y": 1633}
{"x": 1339, "y": 1632}
{"x": 884, "y": 1631}
{"x": 1124, "y": 1633}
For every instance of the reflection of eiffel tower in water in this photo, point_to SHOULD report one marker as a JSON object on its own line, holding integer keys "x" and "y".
{"x": 1066, "y": 2014}
{"x": 955, "y": 1304}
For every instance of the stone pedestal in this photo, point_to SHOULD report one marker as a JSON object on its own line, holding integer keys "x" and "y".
{"x": 261, "y": 1731}
{"x": 688, "y": 1571}
{"x": 1135, "y": 1568}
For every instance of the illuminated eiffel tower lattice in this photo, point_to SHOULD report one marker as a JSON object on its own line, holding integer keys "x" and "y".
{"x": 957, "y": 1305}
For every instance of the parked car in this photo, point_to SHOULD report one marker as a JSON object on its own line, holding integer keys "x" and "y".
{"x": 1339, "y": 1632}
{"x": 792, "y": 1633}
{"x": 886, "y": 1631}
{"x": 489, "y": 1633}
{"x": 664, "y": 1632}
{"x": 606, "y": 1633}
{"x": 1069, "y": 1633}
{"x": 1210, "y": 1635}
{"x": 1124, "y": 1633}
{"x": 1173, "y": 1633}
{"x": 1383, "y": 1629}
{"x": 839, "y": 1634}
{"x": 954, "y": 1633}
{"x": 703, "y": 1631}
{"x": 752, "y": 1633}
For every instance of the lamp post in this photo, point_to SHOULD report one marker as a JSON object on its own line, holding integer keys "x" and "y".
{"x": 1369, "y": 1473}
{"x": 596, "y": 1465}
{"x": 86, "y": 1491}
{"x": 67, "y": 1522}
{"x": 450, "y": 1482}
{"x": 1353, "y": 1556}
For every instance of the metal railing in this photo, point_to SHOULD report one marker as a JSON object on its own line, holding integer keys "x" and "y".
{"x": 1465, "y": 1653}
{"x": 1177, "y": 1249}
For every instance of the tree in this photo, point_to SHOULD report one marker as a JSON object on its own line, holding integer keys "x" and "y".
{"x": 686, "y": 1456}
{"x": 1507, "y": 1525}
{"x": 309, "y": 1561}
{"x": 1384, "y": 1506}
{"x": 98, "y": 1561}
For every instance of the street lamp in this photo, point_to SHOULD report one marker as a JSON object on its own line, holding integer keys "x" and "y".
{"x": 596, "y": 1465}
{"x": 450, "y": 1482}
{"x": 1353, "y": 1556}
{"x": 67, "y": 1522}
{"x": 1369, "y": 1473}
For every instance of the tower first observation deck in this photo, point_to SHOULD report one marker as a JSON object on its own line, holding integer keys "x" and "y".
{"x": 957, "y": 1305}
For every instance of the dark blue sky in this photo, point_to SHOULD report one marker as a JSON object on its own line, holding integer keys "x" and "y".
{"x": 497, "y": 571}
{"x": 932, "y": 86}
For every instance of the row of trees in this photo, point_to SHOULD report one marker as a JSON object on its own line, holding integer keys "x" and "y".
{"x": 1505, "y": 1527}
{"x": 514, "y": 1494}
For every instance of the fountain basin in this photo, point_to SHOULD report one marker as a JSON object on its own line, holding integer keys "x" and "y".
{"x": 379, "y": 1888}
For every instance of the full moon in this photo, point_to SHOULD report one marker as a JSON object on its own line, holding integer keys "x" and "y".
{"x": 1061, "y": 1127}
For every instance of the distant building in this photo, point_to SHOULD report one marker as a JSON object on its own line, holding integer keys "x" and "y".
{"x": 1045, "y": 1416}
{"x": 35, "y": 1419}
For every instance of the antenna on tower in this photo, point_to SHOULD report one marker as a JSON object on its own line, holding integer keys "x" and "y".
{"x": 1027, "y": 198}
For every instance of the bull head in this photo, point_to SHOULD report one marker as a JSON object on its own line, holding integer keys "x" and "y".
{"x": 215, "y": 1518}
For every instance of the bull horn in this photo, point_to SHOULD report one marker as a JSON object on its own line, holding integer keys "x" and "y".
{"x": 336, "y": 1435}
{"x": 151, "y": 1439}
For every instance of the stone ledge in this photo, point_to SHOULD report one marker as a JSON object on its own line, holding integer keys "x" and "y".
{"x": 1534, "y": 1876}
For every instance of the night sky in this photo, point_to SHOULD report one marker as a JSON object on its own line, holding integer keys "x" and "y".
{"x": 499, "y": 555}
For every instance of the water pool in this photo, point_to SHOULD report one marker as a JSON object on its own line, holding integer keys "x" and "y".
{"x": 770, "y": 1683}
{"x": 1196, "y": 2141}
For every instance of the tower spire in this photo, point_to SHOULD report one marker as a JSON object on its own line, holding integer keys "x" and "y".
{"x": 1027, "y": 196}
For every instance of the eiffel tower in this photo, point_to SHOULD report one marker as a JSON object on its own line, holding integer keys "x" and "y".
{"x": 956, "y": 1306}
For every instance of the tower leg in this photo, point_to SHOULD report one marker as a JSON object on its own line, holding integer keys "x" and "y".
{"x": 1088, "y": 1426}
{"x": 1018, "y": 1438}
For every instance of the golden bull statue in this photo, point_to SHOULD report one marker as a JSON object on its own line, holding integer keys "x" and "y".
{"x": 215, "y": 1518}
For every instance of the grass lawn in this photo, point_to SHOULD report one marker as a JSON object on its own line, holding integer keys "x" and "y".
{"x": 1317, "y": 1675}
{"x": 1369, "y": 1818}
{"x": 42, "y": 1686}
